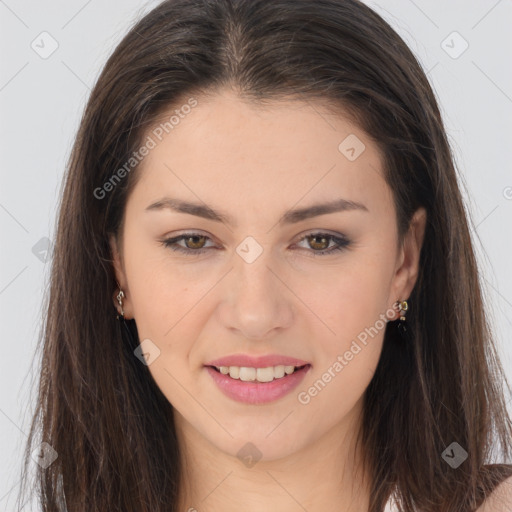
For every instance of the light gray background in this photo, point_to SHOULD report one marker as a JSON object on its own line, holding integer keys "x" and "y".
{"x": 41, "y": 101}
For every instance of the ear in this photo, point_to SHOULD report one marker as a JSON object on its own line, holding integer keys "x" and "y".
{"x": 120, "y": 275}
{"x": 407, "y": 269}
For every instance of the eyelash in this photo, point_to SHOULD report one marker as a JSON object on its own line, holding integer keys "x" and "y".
{"x": 342, "y": 243}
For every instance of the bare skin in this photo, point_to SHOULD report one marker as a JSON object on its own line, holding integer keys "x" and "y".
{"x": 500, "y": 500}
{"x": 253, "y": 164}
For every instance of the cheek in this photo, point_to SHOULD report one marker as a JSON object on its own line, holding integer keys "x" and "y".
{"x": 171, "y": 308}
{"x": 353, "y": 303}
{"x": 334, "y": 390}
{"x": 159, "y": 292}
{"x": 346, "y": 360}
{"x": 353, "y": 296}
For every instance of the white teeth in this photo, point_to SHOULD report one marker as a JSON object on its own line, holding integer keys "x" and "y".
{"x": 248, "y": 374}
{"x": 278, "y": 371}
{"x": 265, "y": 374}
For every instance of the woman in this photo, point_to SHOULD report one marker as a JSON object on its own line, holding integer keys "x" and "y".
{"x": 265, "y": 193}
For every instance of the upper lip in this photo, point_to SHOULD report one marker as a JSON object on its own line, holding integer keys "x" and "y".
{"x": 257, "y": 362}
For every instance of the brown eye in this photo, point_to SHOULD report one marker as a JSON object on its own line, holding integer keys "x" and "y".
{"x": 188, "y": 243}
{"x": 198, "y": 241}
{"x": 320, "y": 242}
{"x": 194, "y": 243}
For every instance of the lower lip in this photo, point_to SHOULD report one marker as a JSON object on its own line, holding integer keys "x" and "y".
{"x": 257, "y": 392}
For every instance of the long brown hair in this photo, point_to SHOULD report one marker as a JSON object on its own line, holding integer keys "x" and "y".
{"x": 98, "y": 406}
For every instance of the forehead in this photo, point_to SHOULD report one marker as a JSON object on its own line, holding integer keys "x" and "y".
{"x": 284, "y": 151}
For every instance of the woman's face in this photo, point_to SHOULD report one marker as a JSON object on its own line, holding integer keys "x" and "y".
{"x": 259, "y": 287}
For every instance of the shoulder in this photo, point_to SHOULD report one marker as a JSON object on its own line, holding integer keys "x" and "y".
{"x": 500, "y": 500}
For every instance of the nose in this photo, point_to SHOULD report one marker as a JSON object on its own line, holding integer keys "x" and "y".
{"x": 257, "y": 302}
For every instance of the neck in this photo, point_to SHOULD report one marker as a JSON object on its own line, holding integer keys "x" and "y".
{"x": 324, "y": 476}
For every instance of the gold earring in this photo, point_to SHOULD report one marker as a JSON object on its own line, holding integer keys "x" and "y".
{"x": 403, "y": 309}
{"x": 120, "y": 297}
{"x": 402, "y": 306}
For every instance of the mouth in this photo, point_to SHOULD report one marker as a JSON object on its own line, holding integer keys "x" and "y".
{"x": 258, "y": 375}
{"x": 257, "y": 385}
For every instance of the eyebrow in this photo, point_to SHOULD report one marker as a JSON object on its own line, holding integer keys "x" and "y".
{"x": 289, "y": 217}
